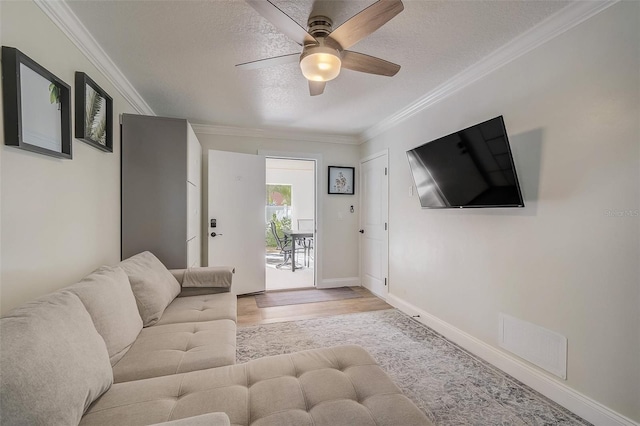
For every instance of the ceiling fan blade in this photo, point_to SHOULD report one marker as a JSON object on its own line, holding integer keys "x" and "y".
{"x": 316, "y": 87}
{"x": 364, "y": 23}
{"x": 370, "y": 64}
{"x": 269, "y": 62}
{"x": 282, "y": 21}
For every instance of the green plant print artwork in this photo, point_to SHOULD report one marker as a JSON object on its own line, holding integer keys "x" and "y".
{"x": 95, "y": 124}
{"x": 54, "y": 94}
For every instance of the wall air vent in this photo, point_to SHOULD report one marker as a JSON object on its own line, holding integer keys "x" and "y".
{"x": 544, "y": 348}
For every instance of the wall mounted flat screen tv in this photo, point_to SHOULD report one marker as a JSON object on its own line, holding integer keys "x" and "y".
{"x": 469, "y": 168}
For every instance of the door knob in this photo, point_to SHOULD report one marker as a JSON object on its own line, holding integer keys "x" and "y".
{"x": 213, "y": 234}
{"x": 361, "y": 231}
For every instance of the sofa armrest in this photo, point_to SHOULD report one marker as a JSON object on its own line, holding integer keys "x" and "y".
{"x": 219, "y": 277}
{"x": 209, "y": 419}
{"x": 178, "y": 274}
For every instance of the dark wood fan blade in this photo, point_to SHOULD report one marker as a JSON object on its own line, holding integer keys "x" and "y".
{"x": 364, "y": 23}
{"x": 370, "y": 64}
{"x": 316, "y": 87}
{"x": 282, "y": 21}
{"x": 269, "y": 62}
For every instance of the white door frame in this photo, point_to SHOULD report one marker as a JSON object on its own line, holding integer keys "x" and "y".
{"x": 317, "y": 243}
{"x": 385, "y": 263}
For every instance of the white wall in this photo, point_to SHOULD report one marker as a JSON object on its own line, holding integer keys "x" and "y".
{"x": 572, "y": 112}
{"x": 60, "y": 218}
{"x": 339, "y": 227}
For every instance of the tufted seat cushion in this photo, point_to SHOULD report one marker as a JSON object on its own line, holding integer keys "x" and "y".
{"x": 322, "y": 387}
{"x": 178, "y": 348}
{"x": 208, "y": 307}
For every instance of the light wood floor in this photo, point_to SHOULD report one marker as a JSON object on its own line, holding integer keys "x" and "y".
{"x": 250, "y": 314}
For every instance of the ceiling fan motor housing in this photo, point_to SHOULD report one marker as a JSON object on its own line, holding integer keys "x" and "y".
{"x": 318, "y": 61}
{"x": 319, "y": 26}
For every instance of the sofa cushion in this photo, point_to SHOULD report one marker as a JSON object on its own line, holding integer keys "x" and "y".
{"x": 207, "y": 307}
{"x": 178, "y": 348}
{"x": 154, "y": 287}
{"x": 54, "y": 363}
{"x": 107, "y": 296}
{"x": 340, "y": 386}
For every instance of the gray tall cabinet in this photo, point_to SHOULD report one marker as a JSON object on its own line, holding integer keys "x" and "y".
{"x": 161, "y": 189}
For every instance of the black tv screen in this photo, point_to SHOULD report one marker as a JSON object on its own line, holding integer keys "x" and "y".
{"x": 469, "y": 168}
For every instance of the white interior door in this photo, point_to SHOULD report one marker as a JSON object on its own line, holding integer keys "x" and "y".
{"x": 374, "y": 247}
{"x": 236, "y": 202}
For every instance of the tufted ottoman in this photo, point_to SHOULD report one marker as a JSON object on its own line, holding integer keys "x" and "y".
{"x": 335, "y": 386}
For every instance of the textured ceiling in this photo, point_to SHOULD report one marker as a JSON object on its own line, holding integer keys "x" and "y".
{"x": 180, "y": 56}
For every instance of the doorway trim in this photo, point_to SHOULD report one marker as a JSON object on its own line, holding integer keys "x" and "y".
{"x": 317, "y": 244}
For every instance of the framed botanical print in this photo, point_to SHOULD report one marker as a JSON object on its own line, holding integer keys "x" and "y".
{"x": 94, "y": 113}
{"x": 341, "y": 180}
{"x": 37, "y": 112}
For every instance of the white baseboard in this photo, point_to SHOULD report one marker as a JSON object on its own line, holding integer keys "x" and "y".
{"x": 585, "y": 407}
{"x": 339, "y": 282}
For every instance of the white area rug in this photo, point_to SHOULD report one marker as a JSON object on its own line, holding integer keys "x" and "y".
{"x": 450, "y": 385}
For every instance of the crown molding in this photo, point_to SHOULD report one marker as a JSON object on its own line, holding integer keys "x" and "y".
{"x": 62, "y": 15}
{"x": 570, "y": 16}
{"x": 558, "y": 23}
{"x": 288, "y": 134}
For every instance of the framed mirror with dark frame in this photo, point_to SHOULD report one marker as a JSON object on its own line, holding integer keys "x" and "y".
{"x": 37, "y": 109}
{"x": 93, "y": 114}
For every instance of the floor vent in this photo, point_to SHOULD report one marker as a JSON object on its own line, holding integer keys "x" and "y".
{"x": 542, "y": 347}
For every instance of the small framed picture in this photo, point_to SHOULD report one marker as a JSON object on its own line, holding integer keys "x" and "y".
{"x": 341, "y": 180}
{"x": 37, "y": 112}
{"x": 94, "y": 114}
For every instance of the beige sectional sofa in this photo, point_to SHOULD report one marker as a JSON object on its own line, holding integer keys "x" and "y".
{"x": 125, "y": 346}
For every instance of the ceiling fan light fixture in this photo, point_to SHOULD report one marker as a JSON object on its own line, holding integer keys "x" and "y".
{"x": 319, "y": 63}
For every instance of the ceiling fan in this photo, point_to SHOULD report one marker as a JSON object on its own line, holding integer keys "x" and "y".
{"x": 323, "y": 48}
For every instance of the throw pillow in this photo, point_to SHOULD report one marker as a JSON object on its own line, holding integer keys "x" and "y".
{"x": 54, "y": 363}
{"x": 107, "y": 295}
{"x": 154, "y": 287}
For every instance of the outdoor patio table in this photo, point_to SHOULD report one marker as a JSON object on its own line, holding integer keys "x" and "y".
{"x": 295, "y": 236}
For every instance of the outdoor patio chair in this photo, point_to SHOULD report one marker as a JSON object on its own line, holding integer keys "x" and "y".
{"x": 283, "y": 246}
